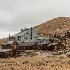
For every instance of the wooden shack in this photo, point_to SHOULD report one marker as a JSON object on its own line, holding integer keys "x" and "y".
{"x": 52, "y": 46}
{"x": 10, "y": 45}
{"x": 28, "y": 46}
{"x": 44, "y": 45}
{"x": 5, "y": 53}
{"x": 55, "y": 46}
{"x": 13, "y": 45}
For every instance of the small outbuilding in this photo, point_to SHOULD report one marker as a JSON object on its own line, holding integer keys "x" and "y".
{"x": 13, "y": 45}
{"x": 44, "y": 44}
{"x": 28, "y": 46}
{"x": 5, "y": 53}
{"x": 52, "y": 46}
{"x": 55, "y": 46}
{"x": 10, "y": 45}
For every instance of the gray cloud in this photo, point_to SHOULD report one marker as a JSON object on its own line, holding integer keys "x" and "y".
{"x": 16, "y": 14}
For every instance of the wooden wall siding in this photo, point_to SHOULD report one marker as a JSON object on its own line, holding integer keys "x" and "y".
{"x": 6, "y": 47}
{"x": 30, "y": 47}
{"x": 38, "y": 47}
{"x": 42, "y": 47}
{"x": 14, "y": 47}
{"x": 2, "y": 54}
{"x": 51, "y": 47}
{"x": 33, "y": 47}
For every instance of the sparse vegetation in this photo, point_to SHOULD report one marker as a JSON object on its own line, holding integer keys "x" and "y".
{"x": 35, "y": 63}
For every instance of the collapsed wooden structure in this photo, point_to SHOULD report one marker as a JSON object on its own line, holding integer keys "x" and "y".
{"x": 6, "y": 53}
{"x": 28, "y": 46}
{"x": 14, "y": 47}
{"x": 10, "y": 45}
{"x": 9, "y": 49}
{"x": 55, "y": 46}
{"x": 27, "y": 39}
{"x": 41, "y": 46}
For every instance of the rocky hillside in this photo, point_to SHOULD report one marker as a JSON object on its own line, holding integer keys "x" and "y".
{"x": 3, "y": 40}
{"x": 55, "y": 26}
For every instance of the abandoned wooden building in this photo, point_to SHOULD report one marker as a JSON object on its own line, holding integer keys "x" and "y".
{"x": 13, "y": 45}
{"x": 10, "y": 45}
{"x": 27, "y": 39}
{"x": 44, "y": 45}
{"x": 25, "y": 34}
{"x": 55, "y": 46}
{"x": 28, "y": 46}
{"x": 35, "y": 44}
{"x": 6, "y": 53}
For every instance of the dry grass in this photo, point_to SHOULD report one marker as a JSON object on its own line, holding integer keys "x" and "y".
{"x": 35, "y": 63}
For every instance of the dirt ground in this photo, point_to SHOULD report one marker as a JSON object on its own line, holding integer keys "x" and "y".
{"x": 54, "y": 62}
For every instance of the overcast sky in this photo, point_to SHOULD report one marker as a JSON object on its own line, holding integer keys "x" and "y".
{"x": 16, "y": 14}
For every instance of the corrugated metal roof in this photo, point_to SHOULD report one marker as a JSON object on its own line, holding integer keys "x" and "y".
{"x": 8, "y": 42}
{"x": 43, "y": 38}
{"x": 29, "y": 40}
{"x": 40, "y": 38}
{"x": 52, "y": 44}
{"x": 21, "y": 33}
{"x": 4, "y": 50}
{"x": 27, "y": 44}
{"x": 46, "y": 42}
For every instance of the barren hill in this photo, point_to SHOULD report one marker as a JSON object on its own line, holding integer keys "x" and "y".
{"x": 55, "y": 26}
{"x": 3, "y": 40}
